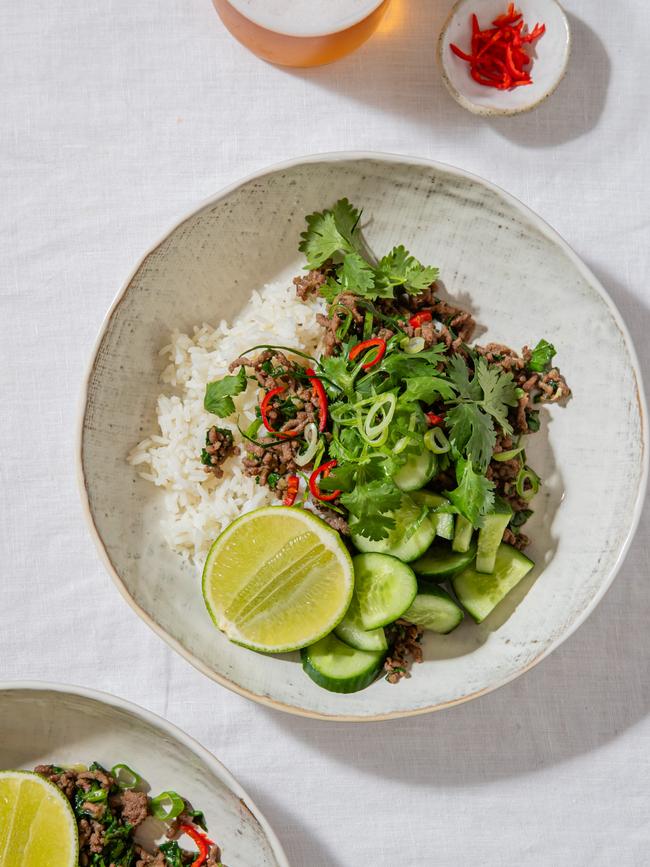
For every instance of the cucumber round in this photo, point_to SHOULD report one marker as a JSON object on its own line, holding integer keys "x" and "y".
{"x": 480, "y": 593}
{"x": 409, "y": 538}
{"x": 384, "y": 586}
{"x": 352, "y": 632}
{"x": 338, "y": 667}
{"x": 442, "y": 521}
{"x": 434, "y": 609}
{"x": 440, "y": 561}
{"x": 416, "y": 472}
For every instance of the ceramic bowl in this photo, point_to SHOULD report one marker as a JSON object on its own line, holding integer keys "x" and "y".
{"x": 550, "y": 56}
{"x": 45, "y": 723}
{"x": 522, "y": 283}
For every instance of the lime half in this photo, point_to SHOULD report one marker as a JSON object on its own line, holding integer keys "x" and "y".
{"x": 37, "y": 825}
{"x": 277, "y": 579}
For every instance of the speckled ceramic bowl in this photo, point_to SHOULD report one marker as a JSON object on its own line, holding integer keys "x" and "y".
{"x": 550, "y": 56}
{"x": 522, "y": 283}
{"x": 43, "y": 723}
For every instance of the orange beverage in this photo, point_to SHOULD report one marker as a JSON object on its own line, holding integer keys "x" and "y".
{"x": 301, "y": 32}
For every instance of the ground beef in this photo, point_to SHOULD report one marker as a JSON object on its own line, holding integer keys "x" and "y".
{"x": 308, "y": 284}
{"x": 127, "y": 807}
{"x": 335, "y": 520}
{"x": 219, "y": 446}
{"x": 404, "y": 641}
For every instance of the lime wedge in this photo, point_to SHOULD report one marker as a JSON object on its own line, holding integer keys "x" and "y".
{"x": 277, "y": 579}
{"x": 37, "y": 825}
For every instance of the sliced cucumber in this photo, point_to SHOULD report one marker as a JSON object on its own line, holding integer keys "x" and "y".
{"x": 442, "y": 521}
{"x": 434, "y": 609}
{"x": 491, "y": 534}
{"x": 462, "y": 534}
{"x": 351, "y": 630}
{"x": 440, "y": 561}
{"x": 417, "y": 471}
{"x": 480, "y": 593}
{"x": 334, "y": 665}
{"x": 409, "y": 538}
{"x": 384, "y": 587}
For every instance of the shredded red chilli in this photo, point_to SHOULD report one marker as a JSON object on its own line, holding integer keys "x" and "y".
{"x": 377, "y": 343}
{"x": 420, "y": 318}
{"x": 292, "y": 491}
{"x": 434, "y": 419}
{"x": 317, "y": 385}
{"x": 498, "y": 58}
{"x": 324, "y": 470}
{"x": 264, "y": 411}
{"x": 201, "y": 840}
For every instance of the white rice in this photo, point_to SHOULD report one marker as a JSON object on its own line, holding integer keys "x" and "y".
{"x": 198, "y": 506}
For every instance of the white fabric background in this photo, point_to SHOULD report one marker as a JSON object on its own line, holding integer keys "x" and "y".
{"x": 116, "y": 118}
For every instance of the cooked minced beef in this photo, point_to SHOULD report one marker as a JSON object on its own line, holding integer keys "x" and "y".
{"x": 309, "y": 284}
{"x": 289, "y": 413}
{"x": 219, "y": 446}
{"x": 404, "y": 649}
{"x": 106, "y": 826}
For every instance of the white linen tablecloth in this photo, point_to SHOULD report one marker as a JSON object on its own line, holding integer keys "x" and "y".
{"x": 116, "y": 117}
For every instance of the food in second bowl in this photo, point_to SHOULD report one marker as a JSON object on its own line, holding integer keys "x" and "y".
{"x": 363, "y": 401}
{"x": 96, "y": 821}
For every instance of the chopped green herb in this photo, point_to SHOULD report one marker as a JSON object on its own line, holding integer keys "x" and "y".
{"x": 219, "y": 394}
{"x": 541, "y": 357}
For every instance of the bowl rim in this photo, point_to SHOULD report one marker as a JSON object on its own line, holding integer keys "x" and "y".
{"x": 310, "y": 31}
{"x": 492, "y": 111}
{"x": 542, "y": 226}
{"x": 171, "y": 730}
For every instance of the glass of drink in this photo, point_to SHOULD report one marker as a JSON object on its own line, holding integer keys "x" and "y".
{"x": 301, "y": 32}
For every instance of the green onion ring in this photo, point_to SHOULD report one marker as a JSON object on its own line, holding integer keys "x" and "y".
{"x": 527, "y": 475}
{"x": 436, "y": 441}
{"x": 159, "y": 806}
{"x": 125, "y": 777}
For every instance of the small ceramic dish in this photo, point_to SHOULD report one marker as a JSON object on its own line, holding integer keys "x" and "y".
{"x": 550, "y": 56}
{"x": 496, "y": 258}
{"x": 46, "y": 723}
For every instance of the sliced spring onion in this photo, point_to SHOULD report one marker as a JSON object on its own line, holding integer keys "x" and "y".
{"x": 278, "y": 346}
{"x": 383, "y": 406}
{"x": 367, "y": 325}
{"x": 530, "y": 476}
{"x": 400, "y": 445}
{"x": 311, "y": 436}
{"x": 167, "y": 806}
{"x": 346, "y": 315}
{"x": 436, "y": 441}
{"x": 125, "y": 777}
{"x": 507, "y": 456}
{"x": 412, "y": 345}
{"x": 96, "y": 796}
{"x": 251, "y": 430}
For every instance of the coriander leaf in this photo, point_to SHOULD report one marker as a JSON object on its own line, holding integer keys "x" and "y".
{"x": 218, "y": 394}
{"x": 356, "y": 275}
{"x": 541, "y": 357}
{"x": 471, "y": 432}
{"x": 368, "y": 504}
{"x": 330, "y": 290}
{"x": 173, "y": 853}
{"x": 458, "y": 373}
{"x": 399, "y": 268}
{"x": 427, "y": 389}
{"x": 334, "y": 371}
{"x": 322, "y": 239}
{"x": 341, "y": 478}
{"x": 346, "y": 218}
{"x": 499, "y": 392}
{"x": 474, "y": 495}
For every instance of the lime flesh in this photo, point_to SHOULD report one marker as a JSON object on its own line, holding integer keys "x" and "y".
{"x": 37, "y": 825}
{"x": 277, "y": 579}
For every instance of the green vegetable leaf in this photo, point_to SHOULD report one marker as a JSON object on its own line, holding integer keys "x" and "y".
{"x": 399, "y": 268}
{"x": 322, "y": 239}
{"x": 542, "y": 357}
{"x": 428, "y": 389}
{"x": 474, "y": 496}
{"x": 356, "y": 275}
{"x": 334, "y": 372}
{"x": 499, "y": 392}
{"x": 346, "y": 218}
{"x": 219, "y": 394}
{"x": 368, "y": 504}
{"x": 458, "y": 373}
{"x": 173, "y": 854}
{"x": 471, "y": 432}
